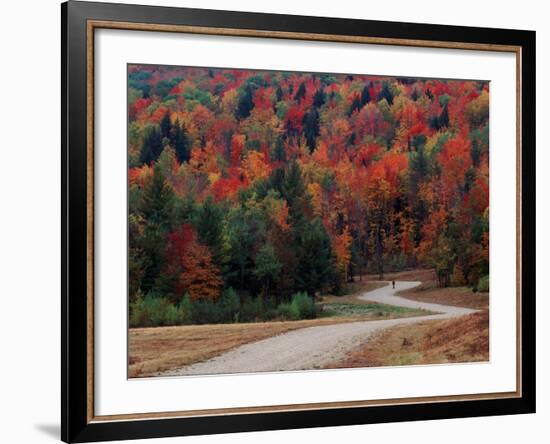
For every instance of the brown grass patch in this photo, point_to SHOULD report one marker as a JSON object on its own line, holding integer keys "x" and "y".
{"x": 465, "y": 339}
{"x": 455, "y": 296}
{"x": 153, "y": 350}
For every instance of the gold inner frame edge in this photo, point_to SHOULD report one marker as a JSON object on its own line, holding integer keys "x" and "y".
{"x": 98, "y": 24}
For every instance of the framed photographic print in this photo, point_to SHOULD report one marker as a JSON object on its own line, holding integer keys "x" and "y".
{"x": 276, "y": 221}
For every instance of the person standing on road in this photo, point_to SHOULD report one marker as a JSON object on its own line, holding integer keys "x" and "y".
{"x": 393, "y": 283}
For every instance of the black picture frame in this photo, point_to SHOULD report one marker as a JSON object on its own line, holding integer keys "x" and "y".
{"x": 76, "y": 423}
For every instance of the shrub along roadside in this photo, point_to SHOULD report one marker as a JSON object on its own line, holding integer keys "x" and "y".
{"x": 152, "y": 311}
{"x": 301, "y": 306}
{"x": 483, "y": 284}
{"x": 155, "y": 311}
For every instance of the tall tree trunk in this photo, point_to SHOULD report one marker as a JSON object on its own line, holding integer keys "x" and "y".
{"x": 379, "y": 254}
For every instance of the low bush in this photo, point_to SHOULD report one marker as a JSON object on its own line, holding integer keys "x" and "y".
{"x": 203, "y": 312}
{"x": 285, "y": 312}
{"x": 252, "y": 310}
{"x": 301, "y": 306}
{"x": 483, "y": 284}
{"x": 186, "y": 309}
{"x": 230, "y": 305}
{"x": 226, "y": 310}
{"x": 153, "y": 311}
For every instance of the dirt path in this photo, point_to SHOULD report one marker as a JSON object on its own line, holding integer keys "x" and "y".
{"x": 313, "y": 347}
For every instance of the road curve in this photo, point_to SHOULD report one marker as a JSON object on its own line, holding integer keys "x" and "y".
{"x": 314, "y": 347}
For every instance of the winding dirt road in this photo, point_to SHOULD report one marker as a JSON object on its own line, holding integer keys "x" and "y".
{"x": 314, "y": 347}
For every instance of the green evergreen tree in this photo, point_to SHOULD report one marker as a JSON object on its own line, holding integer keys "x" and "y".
{"x": 293, "y": 189}
{"x": 279, "y": 93}
{"x": 267, "y": 267}
{"x": 157, "y": 202}
{"x": 311, "y": 128}
{"x": 165, "y": 125}
{"x": 315, "y": 258}
{"x": 301, "y": 92}
{"x": 239, "y": 241}
{"x": 469, "y": 179}
{"x": 434, "y": 123}
{"x": 444, "y": 117}
{"x": 246, "y": 103}
{"x": 355, "y": 105}
{"x": 180, "y": 141}
{"x": 365, "y": 96}
{"x": 208, "y": 219}
{"x": 136, "y": 257}
{"x": 319, "y": 98}
{"x": 152, "y": 145}
{"x": 279, "y": 153}
{"x": 155, "y": 210}
{"x": 475, "y": 152}
{"x": 385, "y": 93}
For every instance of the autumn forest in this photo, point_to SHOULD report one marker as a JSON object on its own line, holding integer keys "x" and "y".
{"x": 251, "y": 193}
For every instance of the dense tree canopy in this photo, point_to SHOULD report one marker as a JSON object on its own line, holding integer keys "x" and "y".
{"x": 273, "y": 183}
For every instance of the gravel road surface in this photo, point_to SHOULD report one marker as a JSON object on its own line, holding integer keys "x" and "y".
{"x": 314, "y": 347}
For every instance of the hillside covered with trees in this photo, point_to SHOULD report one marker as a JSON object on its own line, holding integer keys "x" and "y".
{"x": 248, "y": 187}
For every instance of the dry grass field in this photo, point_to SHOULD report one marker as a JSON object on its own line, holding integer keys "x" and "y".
{"x": 464, "y": 339}
{"x": 456, "y": 296}
{"x": 153, "y": 350}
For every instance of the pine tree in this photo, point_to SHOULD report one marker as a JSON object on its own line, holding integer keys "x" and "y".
{"x": 475, "y": 152}
{"x": 365, "y": 96}
{"x": 385, "y": 93}
{"x": 434, "y": 123}
{"x": 157, "y": 202}
{"x": 444, "y": 117}
{"x": 165, "y": 125}
{"x": 355, "y": 105}
{"x": 246, "y": 103}
{"x": 293, "y": 187}
{"x": 156, "y": 209}
{"x": 239, "y": 243}
{"x": 181, "y": 142}
{"x": 152, "y": 145}
{"x": 279, "y": 153}
{"x": 279, "y": 93}
{"x": 319, "y": 98}
{"x": 315, "y": 258}
{"x": 208, "y": 219}
{"x": 267, "y": 267}
{"x": 311, "y": 128}
{"x": 300, "y": 94}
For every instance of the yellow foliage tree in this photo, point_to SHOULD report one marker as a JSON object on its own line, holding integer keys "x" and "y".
{"x": 342, "y": 249}
{"x": 255, "y": 167}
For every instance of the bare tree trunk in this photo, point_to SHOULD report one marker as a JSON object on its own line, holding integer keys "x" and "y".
{"x": 379, "y": 254}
